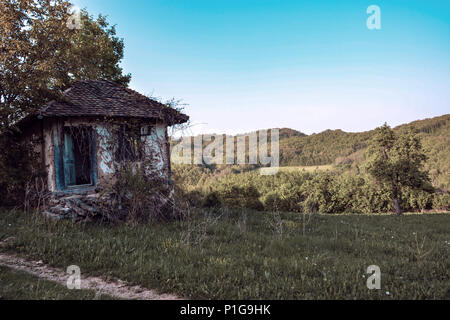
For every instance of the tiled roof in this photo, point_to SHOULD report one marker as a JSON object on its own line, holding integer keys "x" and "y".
{"x": 106, "y": 98}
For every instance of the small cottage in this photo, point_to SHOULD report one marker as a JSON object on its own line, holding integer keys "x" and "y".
{"x": 95, "y": 128}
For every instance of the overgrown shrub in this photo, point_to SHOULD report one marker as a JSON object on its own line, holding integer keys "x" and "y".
{"x": 319, "y": 195}
{"x": 137, "y": 197}
{"x": 441, "y": 201}
{"x": 139, "y": 189}
{"x": 323, "y": 192}
{"x": 286, "y": 198}
{"x": 19, "y": 167}
{"x": 272, "y": 201}
{"x": 234, "y": 196}
{"x": 211, "y": 200}
{"x": 418, "y": 199}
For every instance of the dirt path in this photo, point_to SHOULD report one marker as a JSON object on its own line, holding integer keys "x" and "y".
{"x": 116, "y": 288}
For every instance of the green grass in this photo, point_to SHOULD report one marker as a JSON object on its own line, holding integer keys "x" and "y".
{"x": 17, "y": 285}
{"x": 245, "y": 256}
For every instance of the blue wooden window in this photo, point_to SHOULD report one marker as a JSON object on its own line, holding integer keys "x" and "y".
{"x": 76, "y": 158}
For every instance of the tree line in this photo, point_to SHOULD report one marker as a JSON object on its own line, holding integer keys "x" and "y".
{"x": 392, "y": 177}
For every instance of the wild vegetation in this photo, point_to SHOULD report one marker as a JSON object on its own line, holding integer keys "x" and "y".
{"x": 324, "y": 192}
{"x": 354, "y": 178}
{"x": 244, "y": 254}
{"x": 346, "y": 150}
{"x": 241, "y": 235}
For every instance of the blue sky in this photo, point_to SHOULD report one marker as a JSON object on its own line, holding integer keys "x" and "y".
{"x": 308, "y": 65}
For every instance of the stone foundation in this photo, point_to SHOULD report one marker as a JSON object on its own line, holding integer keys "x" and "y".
{"x": 78, "y": 208}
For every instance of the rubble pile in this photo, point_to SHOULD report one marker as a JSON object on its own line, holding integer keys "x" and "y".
{"x": 77, "y": 207}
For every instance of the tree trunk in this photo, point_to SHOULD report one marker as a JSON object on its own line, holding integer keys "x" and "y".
{"x": 397, "y": 207}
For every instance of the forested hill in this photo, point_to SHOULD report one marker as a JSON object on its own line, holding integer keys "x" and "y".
{"x": 298, "y": 149}
{"x": 347, "y": 149}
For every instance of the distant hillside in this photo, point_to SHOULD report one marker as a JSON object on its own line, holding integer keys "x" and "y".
{"x": 346, "y": 150}
{"x": 324, "y": 148}
{"x": 286, "y": 133}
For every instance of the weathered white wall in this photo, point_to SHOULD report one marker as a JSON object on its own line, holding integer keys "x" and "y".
{"x": 155, "y": 149}
{"x": 105, "y": 158}
{"x": 155, "y": 145}
{"x": 49, "y": 157}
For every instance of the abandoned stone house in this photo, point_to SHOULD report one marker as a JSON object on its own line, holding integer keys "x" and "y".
{"x": 96, "y": 125}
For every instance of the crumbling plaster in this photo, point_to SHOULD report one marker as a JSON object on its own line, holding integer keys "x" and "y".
{"x": 156, "y": 144}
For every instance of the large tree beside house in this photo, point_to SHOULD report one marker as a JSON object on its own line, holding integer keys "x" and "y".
{"x": 44, "y": 49}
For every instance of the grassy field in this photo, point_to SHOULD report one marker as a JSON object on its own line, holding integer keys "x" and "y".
{"x": 17, "y": 285}
{"x": 251, "y": 255}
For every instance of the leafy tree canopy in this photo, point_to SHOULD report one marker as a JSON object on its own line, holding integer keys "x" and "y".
{"x": 397, "y": 161}
{"x": 44, "y": 48}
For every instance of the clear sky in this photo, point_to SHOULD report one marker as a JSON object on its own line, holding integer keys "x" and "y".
{"x": 243, "y": 65}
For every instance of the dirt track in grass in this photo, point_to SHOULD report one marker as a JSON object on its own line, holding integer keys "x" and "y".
{"x": 115, "y": 288}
